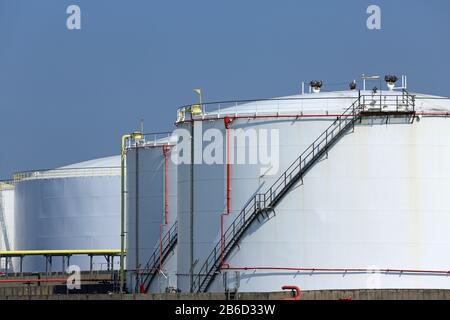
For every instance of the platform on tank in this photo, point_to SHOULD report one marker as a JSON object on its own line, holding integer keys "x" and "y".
{"x": 383, "y": 113}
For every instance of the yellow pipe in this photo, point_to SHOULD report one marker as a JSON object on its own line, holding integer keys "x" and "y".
{"x": 122, "y": 213}
{"x": 135, "y": 135}
{"x": 58, "y": 252}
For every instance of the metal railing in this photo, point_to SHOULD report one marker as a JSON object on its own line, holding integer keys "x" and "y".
{"x": 152, "y": 267}
{"x": 151, "y": 140}
{"x": 295, "y": 105}
{"x": 380, "y": 102}
{"x": 66, "y": 173}
{"x": 6, "y": 185}
{"x": 259, "y": 107}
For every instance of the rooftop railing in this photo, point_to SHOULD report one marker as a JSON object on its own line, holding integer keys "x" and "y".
{"x": 294, "y": 105}
{"x": 151, "y": 140}
{"x": 66, "y": 173}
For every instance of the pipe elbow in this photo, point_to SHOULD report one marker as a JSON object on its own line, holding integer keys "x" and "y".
{"x": 295, "y": 290}
{"x": 226, "y": 121}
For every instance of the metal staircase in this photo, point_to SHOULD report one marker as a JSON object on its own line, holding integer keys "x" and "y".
{"x": 262, "y": 202}
{"x": 152, "y": 267}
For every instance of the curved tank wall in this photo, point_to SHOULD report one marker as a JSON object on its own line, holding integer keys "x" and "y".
{"x": 376, "y": 202}
{"x": 146, "y": 212}
{"x": 7, "y": 209}
{"x": 76, "y": 207}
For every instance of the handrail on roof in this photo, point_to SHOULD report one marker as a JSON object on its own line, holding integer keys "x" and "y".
{"x": 152, "y": 139}
{"x": 200, "y": 111}
{"x": 6, "y": 185}
{"x": 66, "y": 172}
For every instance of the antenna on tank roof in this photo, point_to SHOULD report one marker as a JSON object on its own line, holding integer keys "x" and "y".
{"x": 392, "y": 79}
{"x": 365, "y": 78}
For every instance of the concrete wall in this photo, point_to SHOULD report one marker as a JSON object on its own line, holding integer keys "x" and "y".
{"x": 43, "y": 293}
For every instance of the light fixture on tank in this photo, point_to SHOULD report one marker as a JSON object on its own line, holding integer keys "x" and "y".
{"x": 390, "y": 81}
{"x": 315, "y": 85}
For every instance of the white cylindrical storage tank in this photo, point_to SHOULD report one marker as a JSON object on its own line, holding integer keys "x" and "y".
{"x": 375, "y": 201}
{"x": 151, "y": 190}
{"x": 75, "y": 207}
{"x": 7, "y": 220}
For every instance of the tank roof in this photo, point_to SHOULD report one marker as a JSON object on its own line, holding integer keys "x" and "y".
{"x": 106, "y": 162}
{"x": 107, "y": 166}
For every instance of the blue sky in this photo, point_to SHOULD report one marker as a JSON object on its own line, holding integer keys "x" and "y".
{"x": 68, "y": 96}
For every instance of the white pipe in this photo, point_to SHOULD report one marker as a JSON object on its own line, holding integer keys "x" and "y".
{"x": 404, "y": 84}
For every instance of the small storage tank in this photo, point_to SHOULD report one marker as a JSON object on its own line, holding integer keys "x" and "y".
{"x": 151, "y": 214}
{"x": 6, "y": 220}
{"x": 76, "y": 207}
{"x": 371, "y": 212}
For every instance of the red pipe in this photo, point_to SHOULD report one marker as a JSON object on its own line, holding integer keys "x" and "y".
{"x": 166, "y": 177}
{"x": 443, "y": 272}
{"x": 226, "y": 122}
{"x": 165, "y": 150}
{"x": 297, "y": 116}
{"x": 160, "y": 246}
{"x": 223, "y": 265}
{"x": 294, "y": 289}
{"x": 264, "y": 116}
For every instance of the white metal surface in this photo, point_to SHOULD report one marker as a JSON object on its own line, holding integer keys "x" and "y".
{"x": 377, "y": 202}
{"x": 72, "y": 211}
{"x": 146, "y": 212}
{"x": 7, "y": 217}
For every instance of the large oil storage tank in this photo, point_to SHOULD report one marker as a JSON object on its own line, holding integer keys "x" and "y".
{"x": 151, "y": 214}
{"x": 6, "y": 220}
{"x": 345, "y": 190}
{"x": 76, "y": 207}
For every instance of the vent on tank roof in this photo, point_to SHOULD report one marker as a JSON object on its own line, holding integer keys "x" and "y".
{"x": 315, "y": 85}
